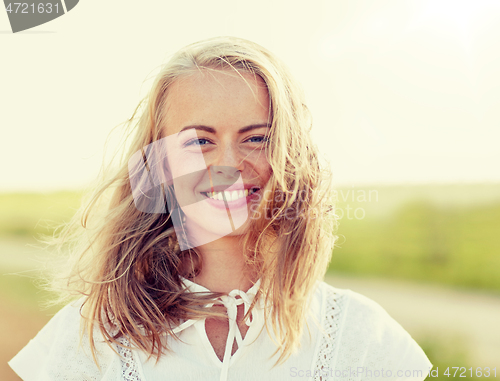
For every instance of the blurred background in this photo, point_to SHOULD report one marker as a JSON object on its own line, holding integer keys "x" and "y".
{"x": 405, "y": 98}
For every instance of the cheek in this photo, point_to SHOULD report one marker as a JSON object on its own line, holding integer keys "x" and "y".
{"x": 186, "y": 170}
{"x": 264, "y": 170}
{"x": 185, "y": 166}
{"x": 186, "y": 184}
{"x": 184, "y": 193}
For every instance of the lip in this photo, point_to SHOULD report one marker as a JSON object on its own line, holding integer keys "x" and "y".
{"x": 235, "y": 204}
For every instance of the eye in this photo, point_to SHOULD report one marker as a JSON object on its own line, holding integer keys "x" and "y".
{"x": 196, "y": 142}
{"x": 258, "y": 139}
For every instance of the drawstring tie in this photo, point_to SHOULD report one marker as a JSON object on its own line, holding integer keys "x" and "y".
{"x": 231, "y": 302}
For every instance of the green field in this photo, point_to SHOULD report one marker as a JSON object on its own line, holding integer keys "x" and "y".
{"x": 26, "y": 215}
{"x": 441, "y": 234}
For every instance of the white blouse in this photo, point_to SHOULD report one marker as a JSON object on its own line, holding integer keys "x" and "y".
{"x": 347, "y": 337}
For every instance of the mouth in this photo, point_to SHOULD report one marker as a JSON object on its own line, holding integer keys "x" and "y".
{"x": 230, "y": 195}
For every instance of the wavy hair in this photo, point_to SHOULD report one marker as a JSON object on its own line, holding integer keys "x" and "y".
{"x": 128, "y": 263}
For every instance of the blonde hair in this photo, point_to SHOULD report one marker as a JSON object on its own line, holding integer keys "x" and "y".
{"x": 128, "y": 263}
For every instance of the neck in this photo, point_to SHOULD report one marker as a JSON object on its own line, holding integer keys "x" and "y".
{"x": 223, "y": 268}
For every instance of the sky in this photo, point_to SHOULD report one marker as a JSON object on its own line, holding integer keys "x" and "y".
{"x": 401, "y": 92}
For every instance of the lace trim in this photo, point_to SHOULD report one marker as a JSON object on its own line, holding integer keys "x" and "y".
{"x": 129, "y": 368}
{"x": 333, "y": 308}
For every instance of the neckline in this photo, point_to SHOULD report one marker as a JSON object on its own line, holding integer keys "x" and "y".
{"x": 230, "y": 301}
{"x": 195, "y": 287}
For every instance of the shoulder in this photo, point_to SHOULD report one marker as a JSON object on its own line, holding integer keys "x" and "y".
{"x": 61, "y": 352}
{"x": 367, "y": 339}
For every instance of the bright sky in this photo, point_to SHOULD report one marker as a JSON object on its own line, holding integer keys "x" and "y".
{"x": 401, "y": 91}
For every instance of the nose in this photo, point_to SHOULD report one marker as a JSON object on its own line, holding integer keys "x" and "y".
{"x": 229, "y": 172}
{"x": 228, "y": 162}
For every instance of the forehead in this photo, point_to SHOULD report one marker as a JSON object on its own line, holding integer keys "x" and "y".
{"x": 217, "y": 98}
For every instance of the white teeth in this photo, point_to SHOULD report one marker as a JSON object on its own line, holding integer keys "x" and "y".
{"x": 229, "y": 196}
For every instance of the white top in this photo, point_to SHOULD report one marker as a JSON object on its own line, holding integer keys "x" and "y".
{"x": 347, "y": 337}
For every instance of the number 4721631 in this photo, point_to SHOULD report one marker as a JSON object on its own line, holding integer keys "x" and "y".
{"x": 455, "y": 371}
{"x": 25, "y": 8}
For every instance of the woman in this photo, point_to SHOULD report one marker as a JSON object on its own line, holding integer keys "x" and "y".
{"x": 202, "y": 256}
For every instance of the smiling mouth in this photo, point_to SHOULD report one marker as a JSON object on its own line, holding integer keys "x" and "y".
{"x": 230, "y": 195}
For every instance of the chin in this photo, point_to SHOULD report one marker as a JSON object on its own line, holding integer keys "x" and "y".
{"x": 203, "y": 232}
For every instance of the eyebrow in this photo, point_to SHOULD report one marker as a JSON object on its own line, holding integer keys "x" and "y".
{"x": 212, "y": 130}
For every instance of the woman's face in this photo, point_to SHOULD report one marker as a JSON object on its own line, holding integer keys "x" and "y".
{"x": 216, "y": 127}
